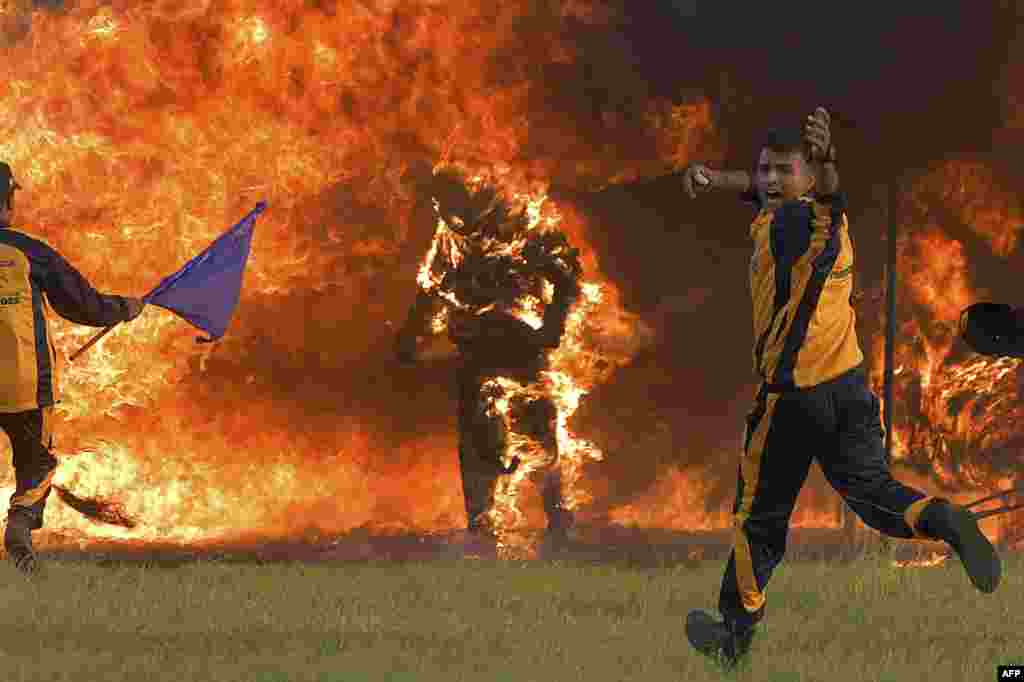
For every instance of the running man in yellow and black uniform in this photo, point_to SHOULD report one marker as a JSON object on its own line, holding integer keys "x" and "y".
{"x": 813, "y": 400}
{"x": 29, "y": 269}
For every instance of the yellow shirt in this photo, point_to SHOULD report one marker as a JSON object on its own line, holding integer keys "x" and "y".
{"x": 32, "y": 274}
{"x": 801, "y": 281}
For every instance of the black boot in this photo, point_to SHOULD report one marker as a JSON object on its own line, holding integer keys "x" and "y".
{"x": 18, "y": 542}
{"x": 726, "y": 642}
{"x": 943, "y": 520}
{"x": 480, "y": 539}
{"x": 560, "y": 522}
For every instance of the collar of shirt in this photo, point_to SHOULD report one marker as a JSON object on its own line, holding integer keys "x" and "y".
{"x": 762, "y": 210}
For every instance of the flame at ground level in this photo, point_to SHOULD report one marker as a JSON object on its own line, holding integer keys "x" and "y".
{"x": 674, "y": 507}
{"x": 933, "y": 559}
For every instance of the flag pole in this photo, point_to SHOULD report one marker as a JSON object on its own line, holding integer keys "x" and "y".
{"x": 91, "y": 342}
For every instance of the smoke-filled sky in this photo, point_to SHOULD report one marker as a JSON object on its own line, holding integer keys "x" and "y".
{"x": 580, "y": 95}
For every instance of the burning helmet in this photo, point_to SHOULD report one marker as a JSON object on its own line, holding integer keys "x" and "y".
{"x": 7, "y": 184}
{"x": 474, "y": 209}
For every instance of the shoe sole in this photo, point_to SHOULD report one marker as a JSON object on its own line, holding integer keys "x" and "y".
{"x": 976, "y": 553}
{"x": 707, "y": 635}
{"x": 27, "y": 565}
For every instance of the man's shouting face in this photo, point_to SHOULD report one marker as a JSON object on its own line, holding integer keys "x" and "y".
{"x": 782, "y": 176}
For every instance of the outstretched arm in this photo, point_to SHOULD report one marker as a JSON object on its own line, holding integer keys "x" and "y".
{"x": 75, "y": 299}
{"x": 700, "y": 178}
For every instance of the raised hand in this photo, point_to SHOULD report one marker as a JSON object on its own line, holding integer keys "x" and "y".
{"x": 817, "y": 134}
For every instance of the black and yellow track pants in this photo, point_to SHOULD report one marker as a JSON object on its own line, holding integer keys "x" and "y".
{"x": 837, "y": 423}
{"x": 34, "y": 464}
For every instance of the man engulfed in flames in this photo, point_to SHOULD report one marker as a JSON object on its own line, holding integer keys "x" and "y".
{"x": 502, "y": 285}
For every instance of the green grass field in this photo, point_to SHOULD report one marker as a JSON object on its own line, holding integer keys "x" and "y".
{"x": 455, "y": 619}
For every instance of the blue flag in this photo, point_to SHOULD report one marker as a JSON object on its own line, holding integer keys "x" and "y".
{"x": 205, "y": 291}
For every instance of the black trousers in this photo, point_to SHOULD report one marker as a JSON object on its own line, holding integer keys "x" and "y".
{"x": 837, "y": 423}
{"x": 34, "y": 464}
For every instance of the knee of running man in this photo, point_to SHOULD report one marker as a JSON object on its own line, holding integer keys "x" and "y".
{"x": 766, "y": 525}
{"x": 48, "y": 461}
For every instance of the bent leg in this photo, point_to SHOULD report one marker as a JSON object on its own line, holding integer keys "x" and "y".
{"x": 859, "y": 471}
{"x": 34, "y": 463}
{"x": 34, "y": 466}
{"x": 857, "y": 467}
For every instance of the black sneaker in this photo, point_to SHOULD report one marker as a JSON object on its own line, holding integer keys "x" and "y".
{"x": 717, "y": 640}
{"x": 560, "y": 522}
{"x": 950, "y": 522}
{"x": 18, "y": 543}
{"x": 479, "y": 545}
{"x": 26, "y": 563}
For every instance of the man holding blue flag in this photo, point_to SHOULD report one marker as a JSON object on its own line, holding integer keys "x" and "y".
{"x": 30, "y": 269}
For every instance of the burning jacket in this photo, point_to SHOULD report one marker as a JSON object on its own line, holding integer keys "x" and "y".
{"x": 505, "y": 292}
{"x": 29, "y": 269}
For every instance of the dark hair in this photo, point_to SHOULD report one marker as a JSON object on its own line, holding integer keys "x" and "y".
{"x": 783, "y": 141}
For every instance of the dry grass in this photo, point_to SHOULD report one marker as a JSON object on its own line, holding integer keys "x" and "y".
{"x": 481, "y": 620}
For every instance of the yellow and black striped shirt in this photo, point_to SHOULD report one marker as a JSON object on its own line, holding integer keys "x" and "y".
{"x": 801, "y": 281}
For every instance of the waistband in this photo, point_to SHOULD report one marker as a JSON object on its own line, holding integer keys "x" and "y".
{"x": 768, "y": 387}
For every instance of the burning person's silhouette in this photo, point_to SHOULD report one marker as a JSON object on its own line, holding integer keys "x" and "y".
{"x": 503, "y": 291}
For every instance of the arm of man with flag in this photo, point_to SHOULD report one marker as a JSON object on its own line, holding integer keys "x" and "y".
{"x": 205, "y": 291}
{"x": 74, "y": 299}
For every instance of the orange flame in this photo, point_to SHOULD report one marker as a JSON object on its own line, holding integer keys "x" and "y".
{"x": 974, "y": 195}
{"x": 955, "y": 415}
{"x": 933, "y": 559}
{"x": 147, "y": 129}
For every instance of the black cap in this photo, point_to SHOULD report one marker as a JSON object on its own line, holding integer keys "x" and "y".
{"x": 7, "y": 183}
